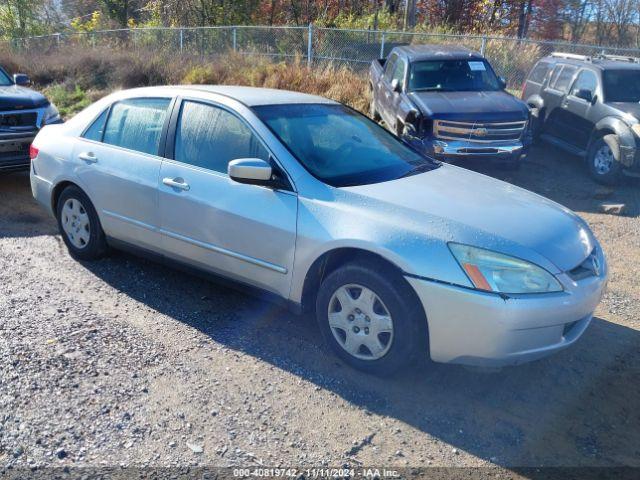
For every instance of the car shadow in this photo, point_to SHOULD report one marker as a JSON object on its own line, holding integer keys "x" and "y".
{"x": 20, "y": 214}
{"x": 576, "y": 408}
{"x": 564, "y": 178}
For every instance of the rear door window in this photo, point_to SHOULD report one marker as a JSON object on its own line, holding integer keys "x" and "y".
{"x": 562, "y": 81}
{"x": 390, "y": 67}
{"x": 136, "y": 124}
{"x": 398, "y": 72}
{"x": 210, "y": 137}
{"x": 539, "y": 72}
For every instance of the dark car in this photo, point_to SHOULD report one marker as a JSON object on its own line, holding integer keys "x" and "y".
{"x": 22, "y": 113}
{"x": 450, "y": 103}
{"x": 589, "y": 107}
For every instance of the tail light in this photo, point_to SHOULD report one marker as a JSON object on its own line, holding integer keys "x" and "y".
{"x": 33, "y": 152}
{"x": 524, "y": 85}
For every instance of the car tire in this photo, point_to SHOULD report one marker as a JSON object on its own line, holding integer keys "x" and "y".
{"x": 536, "y": 123}
{"x": 380, "y": 335}
{"x": 603, "y": 160}
{"x": 79, "y": 225}
{"x": 373, "y": 113}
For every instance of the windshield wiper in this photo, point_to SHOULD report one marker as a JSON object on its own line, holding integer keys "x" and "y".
{"x": 425, "y": 167}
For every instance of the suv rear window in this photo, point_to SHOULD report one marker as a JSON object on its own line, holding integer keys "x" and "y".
{"x": 539, "y": 72}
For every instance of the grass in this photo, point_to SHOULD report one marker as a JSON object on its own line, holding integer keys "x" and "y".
{"x": 76, "y": 77}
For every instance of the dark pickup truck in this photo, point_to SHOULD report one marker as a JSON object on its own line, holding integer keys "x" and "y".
{"x": 22, "y": 113}
{"x": 448, "y": 102}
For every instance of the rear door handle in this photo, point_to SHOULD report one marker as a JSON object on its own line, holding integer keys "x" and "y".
{"x": 176, "y": 183}
{"x": 88, "y": 157}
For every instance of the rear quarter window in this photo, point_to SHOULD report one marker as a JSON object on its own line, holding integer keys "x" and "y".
{"x": 96, "y": 129}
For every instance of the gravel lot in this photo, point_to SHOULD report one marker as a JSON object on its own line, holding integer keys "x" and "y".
{"x": 125, "y": 362}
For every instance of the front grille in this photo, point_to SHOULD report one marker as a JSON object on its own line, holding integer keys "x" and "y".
{"x": 481, "y": 132}
{"x": 18, "y": 121}
{"x": 590, "y": 267}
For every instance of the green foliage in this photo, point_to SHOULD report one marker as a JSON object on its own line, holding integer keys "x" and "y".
{"x": 68, "y": 100}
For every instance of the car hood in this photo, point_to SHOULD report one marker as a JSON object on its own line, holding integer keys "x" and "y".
{"x": 627, "y": 107}
{"x": 14, "y": 97}
{"x": 458, "y": 205}
{"x": 487, "y": 106}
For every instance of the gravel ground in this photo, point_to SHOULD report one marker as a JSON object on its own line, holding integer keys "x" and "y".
{"x": 125, "y": 362}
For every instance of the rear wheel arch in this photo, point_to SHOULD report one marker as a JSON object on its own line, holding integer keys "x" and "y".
{"x": 57, "y": 191}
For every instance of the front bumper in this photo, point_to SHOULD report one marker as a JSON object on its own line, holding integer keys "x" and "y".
{"x": 14, "y": 150}
{"x": 455, "y": 150}
{"x": 470, "y": 327}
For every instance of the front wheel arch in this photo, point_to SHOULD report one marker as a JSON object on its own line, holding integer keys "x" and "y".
{"x": 333, "y": 259}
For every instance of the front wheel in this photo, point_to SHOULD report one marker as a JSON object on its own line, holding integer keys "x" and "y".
{"x": 604, "y": 160}
{"x": 371, "y": 318}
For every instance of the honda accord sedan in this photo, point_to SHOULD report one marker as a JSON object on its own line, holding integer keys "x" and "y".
{"x": 311, "y": 203}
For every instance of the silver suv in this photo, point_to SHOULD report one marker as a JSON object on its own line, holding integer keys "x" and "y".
{"x": 303, "y": 198}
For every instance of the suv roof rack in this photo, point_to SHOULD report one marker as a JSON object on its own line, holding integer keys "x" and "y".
{"x": 619, "y": 58}
{"x": 571, "y": 56}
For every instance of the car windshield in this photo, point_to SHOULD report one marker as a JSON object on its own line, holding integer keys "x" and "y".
{"x": 452, "y": 75}
{"x": 340, "y": 146}
{"x": 5, "y": 80}
{"x": 621, "y": 85}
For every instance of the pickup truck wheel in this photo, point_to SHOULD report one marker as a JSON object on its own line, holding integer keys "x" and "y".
{"x": 371, "y": 318}
{"x": 604, "y": 160}
{"x": 373, "y": 113}
{"x": 536, "y": 122}
{"x": 79, "y": 225}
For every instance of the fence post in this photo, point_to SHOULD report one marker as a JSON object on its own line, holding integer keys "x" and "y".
{"x": 181, "y": 40}
{"x": 235, "y": 39}
{"x": 58, "y": 40}
{"x": 382, "y": 46}
{"x": 483, "y": 45}
{"x": 310, "y": 46}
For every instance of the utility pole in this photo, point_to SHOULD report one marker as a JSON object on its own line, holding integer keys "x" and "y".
{"x": 409, "y": 14}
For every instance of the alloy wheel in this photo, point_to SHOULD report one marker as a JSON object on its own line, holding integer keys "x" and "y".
{"x": 603, "y": 160}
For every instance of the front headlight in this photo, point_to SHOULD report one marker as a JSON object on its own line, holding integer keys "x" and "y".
{"x": 51, "y": 114}
{"x": 500, "y": 273}
{"x": 636, "y": 129}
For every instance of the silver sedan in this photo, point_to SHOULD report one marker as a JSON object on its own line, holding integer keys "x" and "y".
{"x": 313, "y": 204}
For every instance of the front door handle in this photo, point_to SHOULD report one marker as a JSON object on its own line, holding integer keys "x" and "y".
{"x": 88, "y": 157}
{"x": 176, "y": 183}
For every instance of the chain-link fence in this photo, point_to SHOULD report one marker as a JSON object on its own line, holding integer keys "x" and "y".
{"x": 511, "y": 57}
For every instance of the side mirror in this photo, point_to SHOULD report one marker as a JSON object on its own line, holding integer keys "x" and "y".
{"x": 253, "y": 171}
{"x": 584, "y": 94}
{"x": 502, "y": 83}
{"x": 21, "y": 79}
{"x": 395, "y": 85}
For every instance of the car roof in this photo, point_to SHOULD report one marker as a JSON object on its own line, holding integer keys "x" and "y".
{"x": 249, "y": 96}
{"x": 596, "y": 63}
{"x": 436, "y": 52}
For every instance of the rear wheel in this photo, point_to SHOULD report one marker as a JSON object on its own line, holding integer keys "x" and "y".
{"x": 373, "y": 113}
{"x": 371, "y": 318}
{"x": 79, "y": 225}
{"x": 604, "y": 160}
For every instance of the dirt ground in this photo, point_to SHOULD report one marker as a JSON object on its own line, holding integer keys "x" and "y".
{"x": 125, "y": 362}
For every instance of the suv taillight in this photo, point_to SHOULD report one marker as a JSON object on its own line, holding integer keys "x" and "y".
{"x": 33, "y": 152}
{"x": 524, "y": 85}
